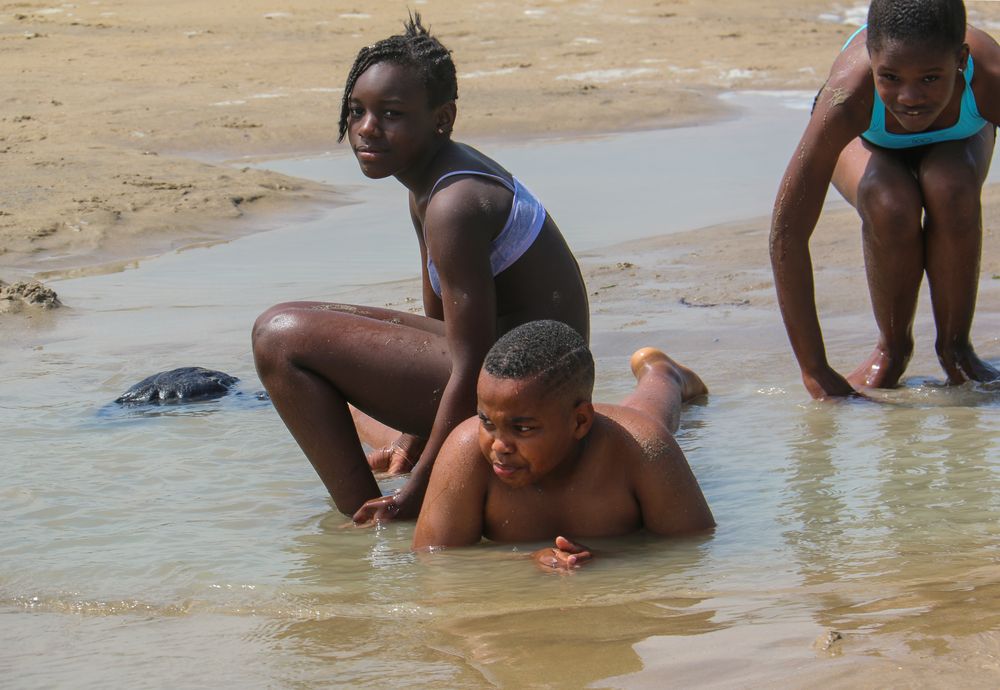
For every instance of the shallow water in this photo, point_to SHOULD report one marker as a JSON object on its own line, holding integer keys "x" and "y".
{"x": 197, "y": 548}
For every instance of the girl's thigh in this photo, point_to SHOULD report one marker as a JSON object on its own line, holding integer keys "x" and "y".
{"x": 956, "y": 167}
{"x": 863, "y": 168}
{"x": 392, "y": 366}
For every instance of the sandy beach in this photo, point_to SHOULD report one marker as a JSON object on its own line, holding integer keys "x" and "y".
{"x": 129, "y": 129}
{"x": 120, "y": 120}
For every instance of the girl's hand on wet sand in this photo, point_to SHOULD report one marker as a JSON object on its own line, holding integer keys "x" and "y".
{"x": 567, "y": 555}
{"x": 828, "y": 384}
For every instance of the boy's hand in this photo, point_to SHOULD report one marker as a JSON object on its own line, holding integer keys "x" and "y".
{"x": 566, "y": 555}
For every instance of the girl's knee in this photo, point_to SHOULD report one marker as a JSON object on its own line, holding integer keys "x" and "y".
{"x": 887, "y": 205}
{"x": 953, "y": 193}
{"x": 272, "y": 332}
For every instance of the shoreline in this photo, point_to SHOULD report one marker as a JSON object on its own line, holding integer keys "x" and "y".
{"x": 117, "y": 114}
{"x": 140, "y": 152}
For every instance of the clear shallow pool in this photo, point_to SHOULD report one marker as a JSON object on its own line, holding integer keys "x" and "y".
{"x": 197, "y": 548}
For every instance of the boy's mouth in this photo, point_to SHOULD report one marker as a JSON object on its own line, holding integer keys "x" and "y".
{"x": 505, "y": 471}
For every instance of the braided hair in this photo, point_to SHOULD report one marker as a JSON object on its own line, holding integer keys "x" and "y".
{"x": 548, "y": 351}
{"x": 416, "y": 49}
{"x": 937, "y": 22}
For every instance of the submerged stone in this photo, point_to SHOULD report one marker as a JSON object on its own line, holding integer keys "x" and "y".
{"x": 185, "y": 384}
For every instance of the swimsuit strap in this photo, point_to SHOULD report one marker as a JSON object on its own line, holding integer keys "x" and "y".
{"x": 480, "y": 173}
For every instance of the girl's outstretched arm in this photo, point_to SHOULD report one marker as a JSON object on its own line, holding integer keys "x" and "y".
{"x": 837, "y": 118}
{"x": 458, "y": 237}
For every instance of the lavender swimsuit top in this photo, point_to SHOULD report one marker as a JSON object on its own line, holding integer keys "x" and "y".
{"x": 527, "y": 216}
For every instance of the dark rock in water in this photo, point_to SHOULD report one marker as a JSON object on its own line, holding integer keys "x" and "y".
{"x": 179, "y": 385}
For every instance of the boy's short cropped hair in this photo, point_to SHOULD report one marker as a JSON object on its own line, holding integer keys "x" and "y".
{"x": 549, "y": 351}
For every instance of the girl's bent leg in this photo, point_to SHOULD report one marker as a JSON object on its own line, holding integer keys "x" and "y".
{"x": 952, "y": 176}
{"x": 884, "y": 190}
{"x": 662, "y": 386}
{"x": 315, "y": 359}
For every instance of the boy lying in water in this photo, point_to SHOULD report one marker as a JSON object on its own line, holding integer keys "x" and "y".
{"x": 541, "y": 460}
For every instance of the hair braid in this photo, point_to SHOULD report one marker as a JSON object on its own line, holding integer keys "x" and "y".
{"x": 416, "y": 49}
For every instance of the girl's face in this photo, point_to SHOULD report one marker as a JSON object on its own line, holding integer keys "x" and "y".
{"x": 390, "y": 125}
{"x": 916, "y": 83}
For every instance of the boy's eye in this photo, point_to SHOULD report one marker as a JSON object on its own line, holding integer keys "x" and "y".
{"x": 392, "y": 114}
{"x": 355, "y": 112}
{"x": 485, "y": 421}
{"x": 930, "y": 79}
{"x": 522, "y": 429}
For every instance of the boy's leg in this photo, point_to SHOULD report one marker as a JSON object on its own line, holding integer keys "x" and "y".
{"x": 315, "y": 359}
{"x": 952, "y": 176}
{"x": 662, "y": 386}
{"x": 883, "y": 188}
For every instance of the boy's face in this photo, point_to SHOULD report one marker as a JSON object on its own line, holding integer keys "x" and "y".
{"x": 916, "y": 83}
{"x": 527, "y": 433}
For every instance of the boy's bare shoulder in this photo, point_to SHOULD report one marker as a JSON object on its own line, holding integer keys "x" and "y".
{"x": 633, "y": 435}
{"x": 462, "y": 444}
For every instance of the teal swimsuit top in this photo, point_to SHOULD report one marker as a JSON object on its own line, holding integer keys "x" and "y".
{"x": 969, "y": 119}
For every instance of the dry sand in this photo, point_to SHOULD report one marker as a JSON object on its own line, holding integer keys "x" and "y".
{"x": 118, "y": 118}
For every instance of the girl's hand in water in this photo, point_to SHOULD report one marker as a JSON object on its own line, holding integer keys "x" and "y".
{"x": 387, "y": 508}
{"x": 567, "y": 555}
{"x": 376, "y": 511}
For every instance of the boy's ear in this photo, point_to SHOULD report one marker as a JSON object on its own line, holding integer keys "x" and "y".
{"x": 583, "y": 416}
{"x": 963, "y": 57}
{"x": 444, "y": 117}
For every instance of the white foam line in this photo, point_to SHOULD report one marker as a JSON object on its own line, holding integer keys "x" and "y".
{"x": 606, "y": 75}
{"x": 488, "y": 73}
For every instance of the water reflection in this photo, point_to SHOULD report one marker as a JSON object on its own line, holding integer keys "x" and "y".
{"x": 893, "y": 514}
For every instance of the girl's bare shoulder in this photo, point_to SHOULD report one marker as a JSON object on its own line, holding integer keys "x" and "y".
{"x": 986, "y": 78}
{"x": 849, "y": 88}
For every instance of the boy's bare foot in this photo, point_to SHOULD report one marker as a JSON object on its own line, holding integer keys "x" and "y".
{"x": 649, "y": 359}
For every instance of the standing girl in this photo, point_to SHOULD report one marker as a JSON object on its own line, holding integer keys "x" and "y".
{"x": 491, "y": 259}
{"x": 904, "y": 128}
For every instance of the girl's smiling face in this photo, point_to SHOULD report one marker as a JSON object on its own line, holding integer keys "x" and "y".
{"x": 391, "y": 126}
{"x": 916, "y": 82}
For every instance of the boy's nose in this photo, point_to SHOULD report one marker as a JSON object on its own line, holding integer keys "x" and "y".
{"x": 501, "y": 446}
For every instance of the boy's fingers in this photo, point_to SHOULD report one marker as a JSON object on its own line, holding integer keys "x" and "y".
{"x": 564, "y": 544}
